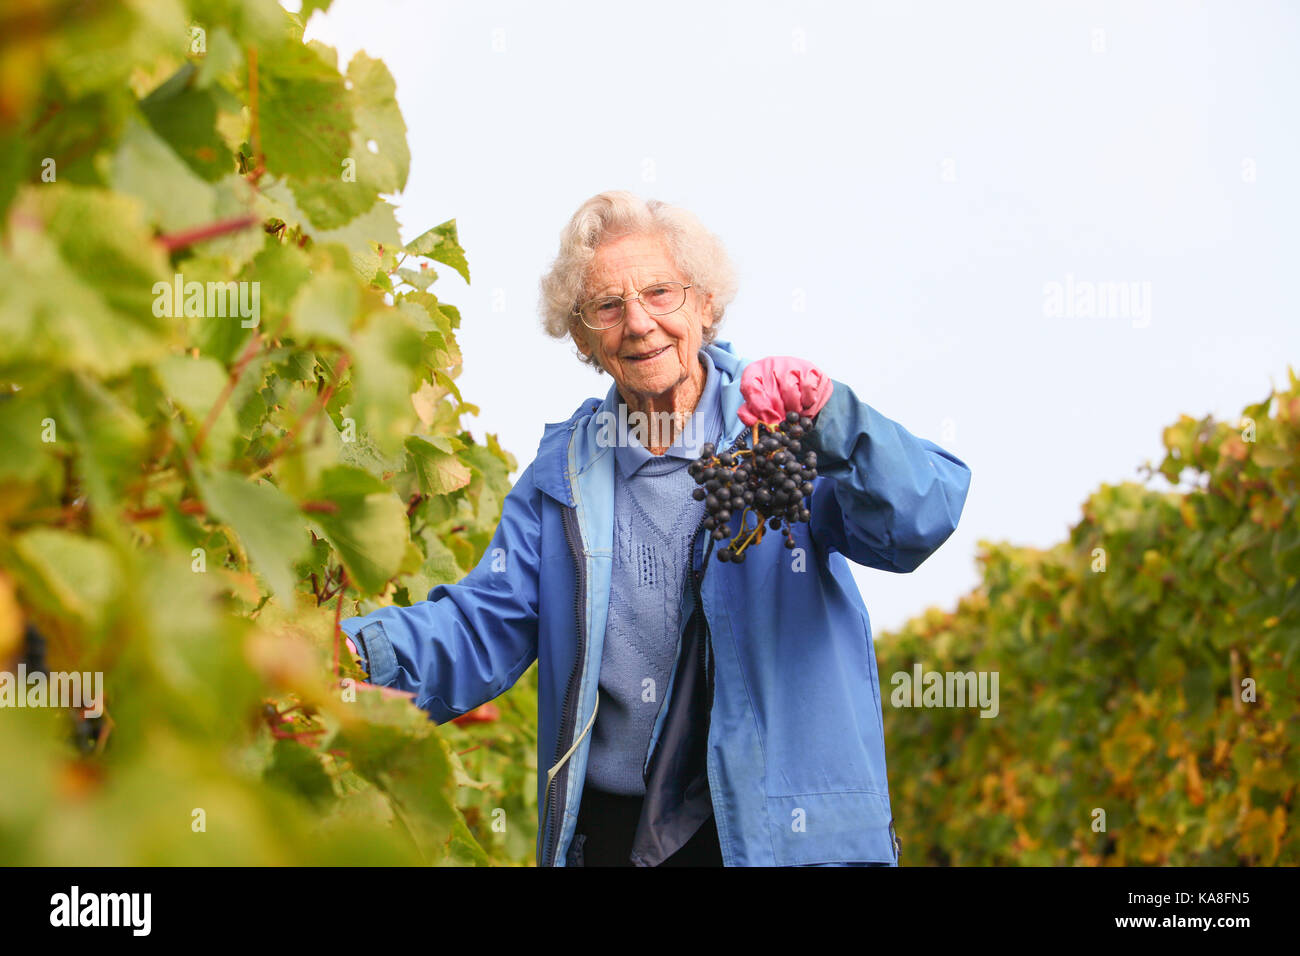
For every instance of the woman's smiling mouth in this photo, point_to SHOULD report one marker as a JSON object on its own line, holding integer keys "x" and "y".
{"x": 648, "y": 355}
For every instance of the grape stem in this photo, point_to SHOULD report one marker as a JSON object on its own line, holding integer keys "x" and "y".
{"x": 749, "y": 538}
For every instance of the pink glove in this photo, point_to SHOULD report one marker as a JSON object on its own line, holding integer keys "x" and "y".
{"x": 774, "y": 386}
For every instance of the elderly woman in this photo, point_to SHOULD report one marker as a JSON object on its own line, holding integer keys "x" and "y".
{"x": 740, "y": 717}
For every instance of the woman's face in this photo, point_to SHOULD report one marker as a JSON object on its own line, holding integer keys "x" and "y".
{"x": 648, "y": 355}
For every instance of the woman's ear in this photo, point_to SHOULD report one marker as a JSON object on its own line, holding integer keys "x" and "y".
{"x": 580, "y": 340}
{"x": 706, "y": 310}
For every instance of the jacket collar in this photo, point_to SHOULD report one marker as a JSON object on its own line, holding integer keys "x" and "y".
{"x": 579, "y": 433}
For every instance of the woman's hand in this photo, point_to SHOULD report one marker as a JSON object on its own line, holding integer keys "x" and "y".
{"x": 780, "y": 384}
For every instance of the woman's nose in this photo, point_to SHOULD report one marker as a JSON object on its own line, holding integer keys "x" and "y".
{"x": 636, "y": 318}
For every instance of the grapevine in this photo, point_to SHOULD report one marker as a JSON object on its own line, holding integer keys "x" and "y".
{"x": 231, "y": 419}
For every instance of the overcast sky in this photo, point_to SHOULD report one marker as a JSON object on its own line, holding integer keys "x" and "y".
{"x": 921, "y": 198}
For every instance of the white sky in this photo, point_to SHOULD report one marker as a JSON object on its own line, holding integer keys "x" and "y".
{"x": 916, "y": 173}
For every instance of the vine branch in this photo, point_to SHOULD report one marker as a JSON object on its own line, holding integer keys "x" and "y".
{"x": 321, "y": 401}
{"x": 187, "y": 237}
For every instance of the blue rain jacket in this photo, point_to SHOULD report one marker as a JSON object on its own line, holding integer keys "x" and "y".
{"x": 795, "y": 749}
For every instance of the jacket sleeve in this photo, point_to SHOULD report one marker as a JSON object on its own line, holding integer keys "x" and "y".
{"x": 469, "y": 641}
{"x": 889, "y": 499}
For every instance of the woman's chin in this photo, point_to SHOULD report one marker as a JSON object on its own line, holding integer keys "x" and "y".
{"x": 652, "y": 382}
{"x": 651, "y": 379}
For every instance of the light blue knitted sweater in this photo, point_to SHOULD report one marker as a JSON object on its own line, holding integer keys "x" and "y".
{"x": 654, "y": 520}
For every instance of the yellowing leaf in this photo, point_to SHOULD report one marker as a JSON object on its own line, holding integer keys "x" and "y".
{"x": 439, "y": 470}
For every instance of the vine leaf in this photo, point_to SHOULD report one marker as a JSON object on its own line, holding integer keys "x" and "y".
{"x": 76, "y": 575}
{"x": 146, "y": 167}
{"x": 442, "y": 244}
{"x": 369, "y": 529}
{"x": 439, "y": 470}
{"x": 266, "y": 520}
{"x": 306, "y": 121}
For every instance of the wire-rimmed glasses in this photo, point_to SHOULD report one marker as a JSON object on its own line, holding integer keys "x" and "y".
{"x": 607, "y": 311}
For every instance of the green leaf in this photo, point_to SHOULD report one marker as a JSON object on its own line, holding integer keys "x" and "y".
{"x": 305, "y": 114}
{"x": 395, "y": 747}
{"x": 442, "y": 244}
{"x": 437, "y": 318}
{"x": 185, "y": 116}
{"x": 360, "y": 237}
{"x": 363, "y": 235}
{"x": 78, "y": 283}
{"x": 310, "y": 6}
{"x": 22, "y": 422}
{"x": 447, "y": 382}
{"x": 196, "y": 384}
{"x": 440, "y": 471}
{"x": 419, "y": 278}
{"x": 281, "y": 269}
{"x": 297, "y": 769}
{"x": 98, "y": 49}
{"x": 107, "y": 437}
{"x": 146, "y": 167}
{"x": 327, "y": 307}
{"x": 222, "y": 58}
{"x": 369, "y": 528}
{"x": 267, "y": 522}
{"x": 383, "y": 158}
{"x": 80, "y": 574}
{"x": 438, "y": 567}
{"x": 377, "y": 160}
{"x": 388, "y": 352}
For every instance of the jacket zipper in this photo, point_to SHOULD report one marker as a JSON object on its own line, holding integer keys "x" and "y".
{"x": 706, "y": 638}
{"x": 568, "y": 715}
{"x": 706, "y": 656}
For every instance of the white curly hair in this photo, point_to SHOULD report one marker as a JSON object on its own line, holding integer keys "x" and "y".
{"x": 697, "y": 253}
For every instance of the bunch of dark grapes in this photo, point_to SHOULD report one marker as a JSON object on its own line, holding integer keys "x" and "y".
{"x": 768, "y": 479}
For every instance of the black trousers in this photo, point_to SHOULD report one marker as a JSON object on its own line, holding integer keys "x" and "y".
{"x": 607, "y": 827}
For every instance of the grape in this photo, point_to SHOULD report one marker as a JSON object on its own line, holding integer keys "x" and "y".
{"x": 766, "y": 472}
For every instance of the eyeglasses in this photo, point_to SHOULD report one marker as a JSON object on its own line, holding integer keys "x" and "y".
{"x": 607, "y": 311}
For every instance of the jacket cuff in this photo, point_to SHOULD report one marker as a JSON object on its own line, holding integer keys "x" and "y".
{"x": 377, "y": 655}
{"x": 829, "y": 437}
